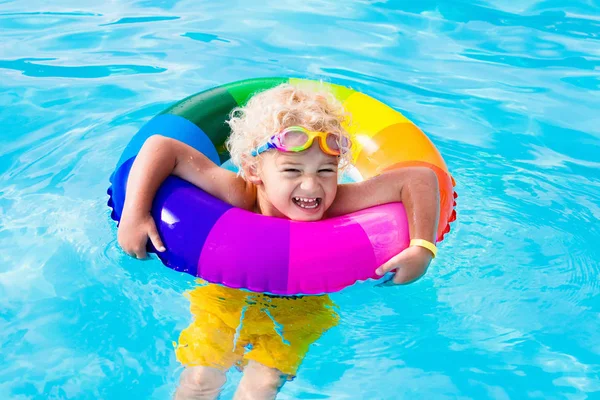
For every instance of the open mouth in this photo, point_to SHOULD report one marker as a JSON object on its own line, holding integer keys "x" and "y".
{"x": 309, "y": 203}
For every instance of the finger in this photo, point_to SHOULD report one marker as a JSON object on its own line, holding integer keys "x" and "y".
{"x": 384, "y": 269}
{"x": 388, "y": 266}
{"x": 404, "y": 277}
{"x": 129, "y": 251}
{"x": 141, "y": 254}
{"x": 155, "y": 239}
{"x": 400, "y": 278}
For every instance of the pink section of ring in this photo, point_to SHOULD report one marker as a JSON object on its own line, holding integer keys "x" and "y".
{"x": 329, "y": 255}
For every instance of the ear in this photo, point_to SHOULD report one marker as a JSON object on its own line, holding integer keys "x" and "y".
{"x": 252, "y": 174}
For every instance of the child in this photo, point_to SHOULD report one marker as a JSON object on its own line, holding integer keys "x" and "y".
{"x": 289, "y": 144}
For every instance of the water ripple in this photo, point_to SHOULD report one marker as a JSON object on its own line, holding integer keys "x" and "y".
{"x": 29, "y": 67}
{"x": 138, "y": 20}
{"x": 205, "y": 37}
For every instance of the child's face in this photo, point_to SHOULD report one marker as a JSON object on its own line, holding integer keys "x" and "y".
{"x": 299, "y": 186}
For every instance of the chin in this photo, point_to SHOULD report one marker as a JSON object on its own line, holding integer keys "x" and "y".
{"x": 306, "y": 218}
{"x": 297, "y": 213}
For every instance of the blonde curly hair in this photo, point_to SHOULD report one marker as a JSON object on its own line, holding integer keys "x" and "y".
{"x": 272, "y": 110}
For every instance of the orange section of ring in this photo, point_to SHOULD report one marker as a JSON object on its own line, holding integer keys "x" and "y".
{"x": 394, "y": 144}
{"x": 385, "y": 139}
{"x": 405, "y": 145}
{"x": 447, "y": 194}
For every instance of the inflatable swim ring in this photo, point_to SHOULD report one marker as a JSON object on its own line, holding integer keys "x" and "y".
{"x": 219, "y": 243}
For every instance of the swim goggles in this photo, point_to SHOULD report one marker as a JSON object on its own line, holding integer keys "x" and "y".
{"x": 296, "y": 139}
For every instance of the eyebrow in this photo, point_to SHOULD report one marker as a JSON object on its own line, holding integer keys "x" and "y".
{"x": 282, "y": 163}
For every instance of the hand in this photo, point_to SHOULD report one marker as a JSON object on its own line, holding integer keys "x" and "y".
{"x": 410, "y": 265}
{"x": 134, "y": 232}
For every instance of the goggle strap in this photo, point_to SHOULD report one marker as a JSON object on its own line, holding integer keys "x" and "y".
{"x": 262, "y": 149}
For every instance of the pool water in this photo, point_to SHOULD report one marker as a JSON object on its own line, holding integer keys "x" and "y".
{"x": 508, "y": 91}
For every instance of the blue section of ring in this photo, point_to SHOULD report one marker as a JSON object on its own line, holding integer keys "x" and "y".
{"x": 116, "y": 191}
{"x": 175, "y": 127}
{"x": 168, "y": 125}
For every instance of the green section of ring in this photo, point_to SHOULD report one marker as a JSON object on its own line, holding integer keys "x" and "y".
{"x": 243, "y": 90}
{"x": 209, "y": 110}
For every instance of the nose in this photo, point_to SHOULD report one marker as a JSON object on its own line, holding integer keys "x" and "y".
{"x": 309, "y": 183}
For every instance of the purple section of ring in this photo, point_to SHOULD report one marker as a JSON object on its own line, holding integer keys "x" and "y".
{"x": 184, "y": 215}
{"x": 247, "y": 250}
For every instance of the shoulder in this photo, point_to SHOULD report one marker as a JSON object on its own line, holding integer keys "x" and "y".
{"x": 234, "y": 189}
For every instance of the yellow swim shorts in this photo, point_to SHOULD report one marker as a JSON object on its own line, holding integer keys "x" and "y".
{"x": 232, "y": 326}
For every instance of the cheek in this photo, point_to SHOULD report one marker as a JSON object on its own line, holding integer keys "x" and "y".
{"x": 279, "y": 189}
{"x": 331, "y": 189}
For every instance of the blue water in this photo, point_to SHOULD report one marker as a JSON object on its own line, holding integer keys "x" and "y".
{"x": 507, "y": 90}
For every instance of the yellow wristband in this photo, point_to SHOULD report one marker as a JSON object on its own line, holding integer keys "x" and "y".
{"x": 425, "y": 243}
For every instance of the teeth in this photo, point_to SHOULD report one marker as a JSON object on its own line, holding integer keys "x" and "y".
{"x": 304, "y": 199}
{"x": 306, "y": 202}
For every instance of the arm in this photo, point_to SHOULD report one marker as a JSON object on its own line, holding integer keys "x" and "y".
{"x": 158, "y": 158}
{"x": 417, "y": 188}
{"x": 161, "y": 156}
